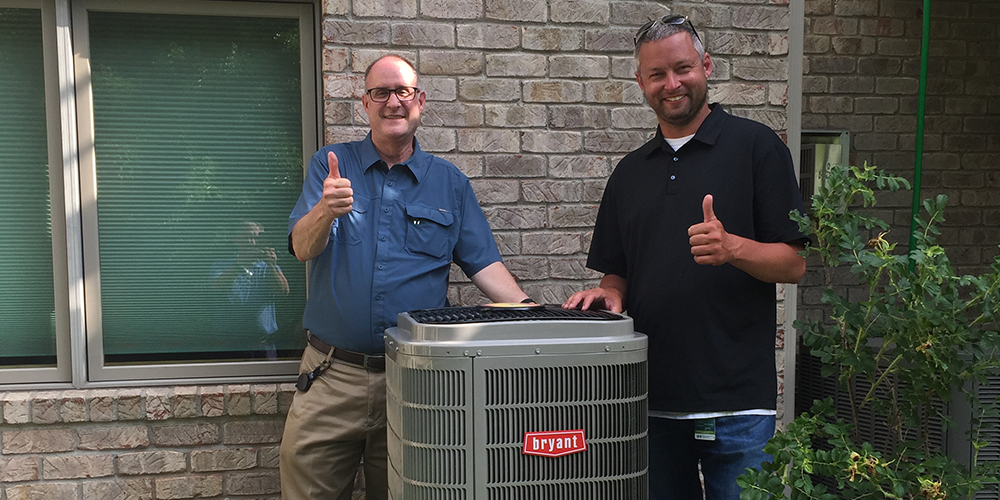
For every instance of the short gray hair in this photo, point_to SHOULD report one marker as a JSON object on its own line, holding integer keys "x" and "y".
{"x": 659, "y": 31}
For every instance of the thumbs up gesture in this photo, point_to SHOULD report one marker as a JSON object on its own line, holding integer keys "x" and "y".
{"x": 709, "y": 239}
{"x": 338, "y": 197}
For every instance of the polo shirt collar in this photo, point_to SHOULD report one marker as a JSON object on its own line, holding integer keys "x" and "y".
{"x": 418, "y": 164}
{"x": 707, "y": 133}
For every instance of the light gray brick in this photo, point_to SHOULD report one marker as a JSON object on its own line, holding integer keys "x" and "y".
{"x": 253, "y": 432}
{"x": 437, "y": 140}
{"x": 343, "y": 32}
{"x": 362, "y": 58}
{"x": 113, "y": 437}
{"x": 265, "y": 399}
{"x": 740, "y": 44}
{"x": 617, "y": 92}
{"x": 636, "y": 13}
{"x": 223, "y": 460}
{"x": 439, "y": 88}
{"x": 186, "y": 402}
{"x": 570, "y": 216}
{"x": 269, "y": 456}
{"x": 335, "y": 59}
{"x": 551, "y": 243}
{"x": 551, "y": 191}
{"x": 194, "y": 434}
{"x": 343, "y": 86}
{"x": 77, "y": 466}
{"x": 738, "y": 94}
{"x": 509, "y": 243}
{"x": 779, "y": 43}
{"x": 579, "y": 11}
{"x": 528, "y": 268}
{"x": 504, "y": 115}
{"x": 777, "y": 94}
{"x": 470, "y": 165}
{"x": 452, "y": 9}
{"x": 151, "y": 462}
{"x": 45, "y": 407}
{"x": 423, "y": 34}
{"x": 42, "y": 490}
{"x": 45, "y": 440}
{"x": 516, "y": 10}
{"x": 238, "y": 399}
{"x": 452, "y": 114}
{"x": 515, "y": 64}
{"x": 553, "y": 91}
{"x": 17, "y": 469}
{"x": 579, "y": 166}
{"x": 520, "y": 166}
{"x": 336, "y": 7}
{"x": 550, "y": 141}
{"x": 189, "y": 486}
{"x": 386, "y": 8}
{"x": 489, "y": 89}
{"x": 610, "y": 141}
{"x": 252, "y": 483}
{"x": 760, "y": 18}
{"x": 633, "y": 118}
{"x": 74, "y": 406}
{"x": 16, "y": 407}
{"x": 753, "y": 68}
{"x": 579, "y": 66}
{"x": 574, "y": 268}
{"x": 158, "y": 405}
{"x": 593, "y": 190}
{"x": 119, "y": 489}
{"x": 452, "y": 62}
{"x": 609, "y": 40}
{"x": 774, "y": 119}
{"x": 501, "y": 217}
{"x": 578, "y": 116}
{"x": 623, "y": 67}
{"x": 489, "y": 141}
{"x": 487, "y": 36}
{"x": 492, "y": 191}
{"x": 551, "y": 39}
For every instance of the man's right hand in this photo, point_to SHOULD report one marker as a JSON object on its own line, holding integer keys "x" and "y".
{"x": 598, "y": 298}
{"x": 338, "y": 197}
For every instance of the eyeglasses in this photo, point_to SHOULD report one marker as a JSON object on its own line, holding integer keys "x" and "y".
{"x": 674, "y": 20}
{"x": 381, "y": 94}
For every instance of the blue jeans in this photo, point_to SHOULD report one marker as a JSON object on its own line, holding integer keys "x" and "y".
{"x": 674, "y": 455}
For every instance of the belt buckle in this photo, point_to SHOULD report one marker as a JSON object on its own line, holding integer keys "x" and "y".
{"x": 369, "y": 357}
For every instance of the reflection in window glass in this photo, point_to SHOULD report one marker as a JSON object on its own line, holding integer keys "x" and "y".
{"x": 198, "y": 141}
{"x": 27, "y": 304}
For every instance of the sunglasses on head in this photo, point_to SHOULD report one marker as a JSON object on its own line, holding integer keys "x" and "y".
{"x": 674, "y": 20}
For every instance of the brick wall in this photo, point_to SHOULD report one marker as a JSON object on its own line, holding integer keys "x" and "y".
{"x": 862, "y": 68}
{"x": 135, "y": 444}
{"x": 535, "y": 101}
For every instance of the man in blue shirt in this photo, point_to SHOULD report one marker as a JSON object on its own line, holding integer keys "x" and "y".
{"x": 381, "y": 220}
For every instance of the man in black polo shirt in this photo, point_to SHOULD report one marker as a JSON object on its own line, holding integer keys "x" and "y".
{"x": 692, "y": 234}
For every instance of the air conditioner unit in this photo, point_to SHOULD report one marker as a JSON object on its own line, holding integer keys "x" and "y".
{"x": 519, "y": 403}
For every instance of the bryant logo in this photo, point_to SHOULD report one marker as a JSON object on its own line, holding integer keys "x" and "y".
{"x": 554, "y": 443}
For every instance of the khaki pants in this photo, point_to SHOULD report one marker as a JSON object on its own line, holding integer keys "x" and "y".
{"x": 329, "y": 429}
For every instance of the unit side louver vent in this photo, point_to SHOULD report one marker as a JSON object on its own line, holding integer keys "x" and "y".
{"x": 558, "y": 384}
{"x": 628, "y": 488}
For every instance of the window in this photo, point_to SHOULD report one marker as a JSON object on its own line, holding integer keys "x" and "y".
{"x": 194, "y": 120}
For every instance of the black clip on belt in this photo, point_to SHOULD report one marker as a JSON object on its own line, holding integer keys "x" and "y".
{"x": 370, "y": 362}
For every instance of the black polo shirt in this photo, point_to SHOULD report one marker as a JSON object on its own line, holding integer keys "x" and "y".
{"x": 711, "y": 328}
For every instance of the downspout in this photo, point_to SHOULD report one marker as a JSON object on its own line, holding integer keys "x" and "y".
{"x": 921, "y": 105}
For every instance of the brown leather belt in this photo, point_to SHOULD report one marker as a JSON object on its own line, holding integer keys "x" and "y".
{"x": 370, "y": 362}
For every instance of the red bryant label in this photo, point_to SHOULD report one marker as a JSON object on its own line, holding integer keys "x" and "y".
{"x": 554, "y": 443}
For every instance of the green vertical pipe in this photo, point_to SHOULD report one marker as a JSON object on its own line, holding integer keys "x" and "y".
{"x": 921, "y": 105}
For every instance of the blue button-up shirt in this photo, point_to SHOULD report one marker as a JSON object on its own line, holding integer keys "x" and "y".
{"x": 392, "y": 253}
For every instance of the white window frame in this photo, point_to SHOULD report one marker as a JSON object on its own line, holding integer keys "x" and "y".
{"x": 72, "y": 165}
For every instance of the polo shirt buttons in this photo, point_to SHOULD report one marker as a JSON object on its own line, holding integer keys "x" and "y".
{"x": 386, "y": 210}
{"x": 673, "y": 177}
{"x": 676, "y": 159}
{"x": 381, "y": 267}
{"x": 382, "y": 238}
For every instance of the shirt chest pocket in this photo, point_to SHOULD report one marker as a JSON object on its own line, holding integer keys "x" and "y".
{"x": 348, "y": 229}
{"x": 428, "y": 231}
